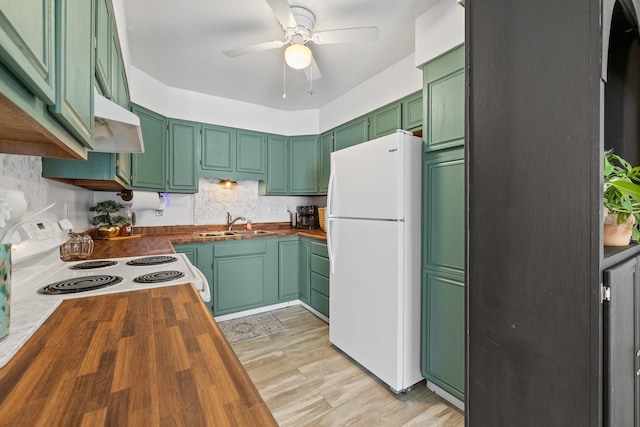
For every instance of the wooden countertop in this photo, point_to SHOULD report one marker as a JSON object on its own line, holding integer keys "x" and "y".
{"x": 149, "y": 357}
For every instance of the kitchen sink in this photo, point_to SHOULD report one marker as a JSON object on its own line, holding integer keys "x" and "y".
{"x": 252, "y": 232}
{"x": 216, "y": 233}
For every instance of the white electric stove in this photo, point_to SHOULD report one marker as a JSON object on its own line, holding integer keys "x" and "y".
{"x": 40, "y": 280}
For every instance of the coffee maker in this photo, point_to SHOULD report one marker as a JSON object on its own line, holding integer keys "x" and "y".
{"x": 307, "y": 217}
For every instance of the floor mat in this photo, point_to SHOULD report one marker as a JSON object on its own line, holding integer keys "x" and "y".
{"x": 249, "y": 327}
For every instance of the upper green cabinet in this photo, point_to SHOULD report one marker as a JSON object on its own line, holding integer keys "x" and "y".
{"x": 304, "y": 164}
{"x": 277, "y": 170}
{"x": 27, "y": 37}
{"x": 326, "y": 147}
{"x": 74, "y": 68}
{"x": 101, "y": 171}
{"x": 351, "y": 133}
{"x": 233, "y": 153}
{"x": 148, "y": 168}
{"x": 412, "y": 111}
{"x": 444, "y": 101}
{"x": 386, "y": 120}
{"x": 104, "y": 41}
{"x": 182, "y": 156}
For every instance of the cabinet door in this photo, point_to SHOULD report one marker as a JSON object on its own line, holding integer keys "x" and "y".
{"x": 123, "y": 167}
{"x": 288, "y": 270}
{"x": 443, "y": 211}
{"x": 444, "y": 101}
{"x": 239, "y": 283}
{"x": 443, "y": 332}
{"x": 622, "y": 345}
{"x": 251, "y": 152}
{"x": 103, "y": 30}
{"x": 182, "y": 147}
{"x": 200, "y": 255}
{"x": 412, "y": 111}
{"x": 386, "y": 120}
{"x": 304, "y": 271}
{"x": 303, "y": 164}
{"x": 218, "y": 148}
{"x": 27, "y": 36}
{"x": 277, "y": 170}
{"x": 74, "y": 68}
{"x": 352, "y": 133}
{"x": 148, "y": 168}
{"x": 326, "y": 147}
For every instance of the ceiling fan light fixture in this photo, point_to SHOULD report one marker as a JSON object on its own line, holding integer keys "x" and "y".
{"x": 298, "y": 56}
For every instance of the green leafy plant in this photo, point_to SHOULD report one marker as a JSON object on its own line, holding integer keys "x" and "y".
{"x": 622, "y": 189}
{"x": 105, "y": 210}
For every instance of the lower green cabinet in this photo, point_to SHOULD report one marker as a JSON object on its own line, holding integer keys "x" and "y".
{"x": 200, "y": 255}
{"x": 288, "y": 269}
{"x": 319, "y": 268}
{"x": 304, "y": 272}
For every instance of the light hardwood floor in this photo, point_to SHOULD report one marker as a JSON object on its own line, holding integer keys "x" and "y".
{"x": 306, "y": 381}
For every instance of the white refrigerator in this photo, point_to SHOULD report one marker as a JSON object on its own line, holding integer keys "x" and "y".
{"x": 373, "y": 225}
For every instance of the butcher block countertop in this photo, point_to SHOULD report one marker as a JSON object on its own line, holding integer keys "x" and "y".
{"x": 149, "y": 357}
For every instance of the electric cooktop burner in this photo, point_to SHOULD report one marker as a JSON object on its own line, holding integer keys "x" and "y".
{"x": 152, "y": 260}
{"x": 80, "y": 284}
{"x": 93, "y": 264}
{"x": 159, "y": 276}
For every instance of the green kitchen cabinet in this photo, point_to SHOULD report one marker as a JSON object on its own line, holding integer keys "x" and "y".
{"x": 326, "y": 147}
{"x": 386, "y": 120}
{"x": 304, "y": 164}
{"x": 148, "y": 168}
{"x": 304, "y": 271}
{"x": 101, "y": 171}
{"x": 443, "y": 331}
{"x": 119, "y": 85}
{"x": 444, "y": 94}
{"x": 351, "y": 133}
{"x": 27, "y": 44}
{"x": 241, "y": 276}
{"x": 412, "y": 111}
{"x": 233, "y": 153}
{"x": 74, "y": 68}
{"x": 277, "y": 167}
{"x": 443, "y": 238}
{"x": 104, "y": 42}
{"x": 181, "y": 157}
{"x": 319, "y": 277}
{"x": 251, "y": 153}
{"x": 288, "y": 269}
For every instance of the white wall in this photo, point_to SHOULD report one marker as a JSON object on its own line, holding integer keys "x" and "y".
{"x": 438, "y": 30}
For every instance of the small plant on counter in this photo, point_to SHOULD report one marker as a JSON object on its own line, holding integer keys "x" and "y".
{"x": 622, "y": 192}
{"x": 105, "y": 210}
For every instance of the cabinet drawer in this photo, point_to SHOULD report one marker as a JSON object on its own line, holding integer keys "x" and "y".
{"x": 240, "y": 248}
{"x": 319, "y": 249}
{"x": 320, "y": 265}
{"x": 320, "y": 302}
{"x": 320, "y": 284}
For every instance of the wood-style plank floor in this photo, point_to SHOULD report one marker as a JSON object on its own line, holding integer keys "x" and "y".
{"x": 306, "y": 381}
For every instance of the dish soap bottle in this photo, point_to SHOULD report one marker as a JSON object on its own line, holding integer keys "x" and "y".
{"x": 249, "y": 226}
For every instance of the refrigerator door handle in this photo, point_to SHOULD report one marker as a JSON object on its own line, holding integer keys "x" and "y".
{"x": 330, "y": 191}
{"x": 329, "y": 244}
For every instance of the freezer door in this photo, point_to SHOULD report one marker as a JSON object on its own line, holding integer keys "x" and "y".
{"x": 368, "y": 300}
{"x": 366, "y": 180}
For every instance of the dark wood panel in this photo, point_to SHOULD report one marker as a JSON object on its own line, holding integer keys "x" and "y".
{"x": 533, "y": 161}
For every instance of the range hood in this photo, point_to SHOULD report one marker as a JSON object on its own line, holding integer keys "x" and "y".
{"x": 116, "y": 129}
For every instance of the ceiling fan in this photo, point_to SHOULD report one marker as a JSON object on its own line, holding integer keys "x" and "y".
{"x": 297, "y": 24}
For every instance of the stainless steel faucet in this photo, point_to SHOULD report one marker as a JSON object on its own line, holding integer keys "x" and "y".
{"x": 230, "y": 221}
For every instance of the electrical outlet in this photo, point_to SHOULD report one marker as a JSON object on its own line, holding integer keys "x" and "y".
{"x": 273, "y": 210}
{"x": 65, "y": 207}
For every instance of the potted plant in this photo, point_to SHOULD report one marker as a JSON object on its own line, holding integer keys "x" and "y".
{"x": 621, "y": 201}
{"x": 112, "y": 222}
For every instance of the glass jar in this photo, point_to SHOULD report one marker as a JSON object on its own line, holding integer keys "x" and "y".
{"x": 78, "y": 247}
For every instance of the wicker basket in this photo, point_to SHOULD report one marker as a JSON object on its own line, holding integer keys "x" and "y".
{"x": 321, "y": 217}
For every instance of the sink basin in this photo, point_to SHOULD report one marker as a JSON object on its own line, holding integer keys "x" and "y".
{"x": 216, "y": 233}
{"x": 252, "y": 232}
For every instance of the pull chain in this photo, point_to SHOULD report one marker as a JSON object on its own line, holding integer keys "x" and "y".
{"x": 311, "y": 91}
{"x": 284, "y": 78}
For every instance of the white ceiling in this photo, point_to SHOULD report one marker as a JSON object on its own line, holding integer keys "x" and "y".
{"x": 180, "y": 43}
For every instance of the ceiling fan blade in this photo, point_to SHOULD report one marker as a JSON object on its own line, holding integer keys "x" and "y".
{"x": 282, "y": 11}
{"x": 346, "y": 35}
{"x": 312, "y": 71}
{"x": 253, "y": 48}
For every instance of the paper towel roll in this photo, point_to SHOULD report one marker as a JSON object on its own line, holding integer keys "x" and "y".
{"x": 147, "y": 200}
